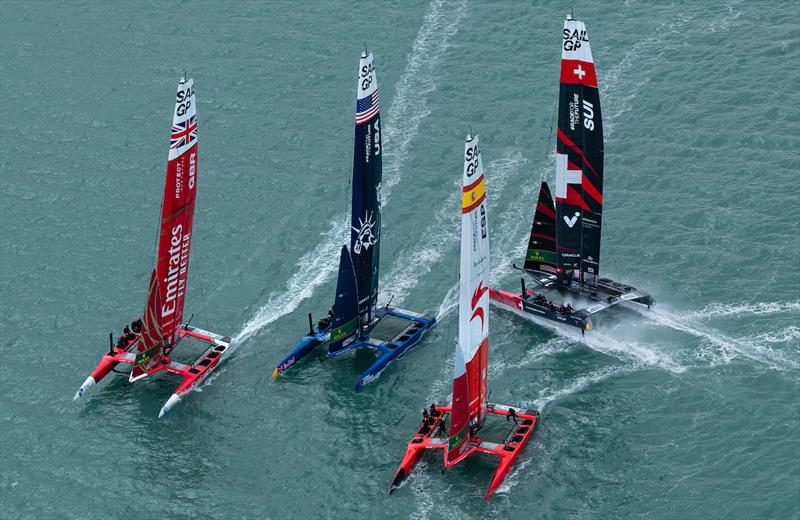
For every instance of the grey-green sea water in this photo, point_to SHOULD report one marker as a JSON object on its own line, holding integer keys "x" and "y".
{"x": 688, "y": 411}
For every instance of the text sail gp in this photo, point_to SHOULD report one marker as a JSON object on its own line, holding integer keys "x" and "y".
{"x": 150, "y": 343}
{"x": 355, "y": 319}
{"x": 563, "y": 253}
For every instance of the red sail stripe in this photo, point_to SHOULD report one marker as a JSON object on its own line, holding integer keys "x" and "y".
{"x": 566, "y": 140}
{"x": 547, "y": 211}
{"x": 589, "y": 188}
{"x": 473, "y": 185}
{"x": 573, "y": 198}
{"x": 578, "y": 72}
{"x": 542, "y": 236}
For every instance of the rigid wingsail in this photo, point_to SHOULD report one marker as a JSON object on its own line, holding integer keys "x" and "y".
{"x": 563, "y": 257}
{"x": 149, "y": 343}
{"x": 355, "y": 320}
{"x": 459, "y": 436}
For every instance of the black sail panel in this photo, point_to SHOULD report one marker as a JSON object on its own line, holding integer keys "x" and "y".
{"x": 579, "y": 159}
{"x": 541, "y": 255}
{"x": 366, "y": 212}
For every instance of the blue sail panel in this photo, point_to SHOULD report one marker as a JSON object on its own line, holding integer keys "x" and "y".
{"x": 345, "y": 322}
{"x": 365, "y": 227}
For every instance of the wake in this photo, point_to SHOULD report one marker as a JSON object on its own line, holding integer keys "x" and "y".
{"x": 407, "y": 110}
{"x": 727, "y": 348}
{"x": 715, "y": 310}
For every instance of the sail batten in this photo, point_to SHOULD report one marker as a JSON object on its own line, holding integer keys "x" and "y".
{"x": 470, "y": 371}
{"x": 365, "y": 223}
{"x": 579, "y": 159}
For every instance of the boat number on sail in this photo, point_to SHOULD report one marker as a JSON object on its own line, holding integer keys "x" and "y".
{"x": 364, "y": 235}
{"x": 183, "y": 101}
{"x": 366, "y": 76}
{"x": 472, "y": 155}
{"x": 573, "y": 39}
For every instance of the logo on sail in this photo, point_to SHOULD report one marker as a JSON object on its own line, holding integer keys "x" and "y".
{"x": 571, "y": 221}
{"x": 364, "y": 235}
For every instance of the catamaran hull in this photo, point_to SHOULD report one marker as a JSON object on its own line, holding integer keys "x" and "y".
{"x": 514, "y": 303}
{"x": 192, "y": 375}
{"x": 508, "y": 451}
{"x": 388, "y": 349}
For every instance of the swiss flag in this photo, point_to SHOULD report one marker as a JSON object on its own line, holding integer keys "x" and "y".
{"x": 576, "y": 71}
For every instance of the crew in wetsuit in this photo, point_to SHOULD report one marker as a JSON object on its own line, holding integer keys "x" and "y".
{"x": 136, "y": 326}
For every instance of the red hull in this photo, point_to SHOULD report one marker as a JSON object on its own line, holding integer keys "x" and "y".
{"x": 192, "y": 375}
{"x": 430, "y": 435}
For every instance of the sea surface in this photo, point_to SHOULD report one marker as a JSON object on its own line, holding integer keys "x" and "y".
{"x": 691, "y": 410}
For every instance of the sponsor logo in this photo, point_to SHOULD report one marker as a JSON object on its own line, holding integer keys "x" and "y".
{"x": 192, "y": 169}
{"x": 571, "y": 221}
{"x": 477, "y": 311}
{"x": 364, "y": 235}
{"x": 183, "y": 100}
{"x": 178, "y": 261}
{"x": 574, "y": 111}
{"x": 365, "y": 75}
{"x": 471, "y": 156}
{"x": 574, "y": 39}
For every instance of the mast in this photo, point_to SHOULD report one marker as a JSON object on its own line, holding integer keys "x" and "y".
{"x": 469, "y": 374}
{"x": 366, "y": 211}
{"x": 177, "y": 211}
{"x": 579, "y": 159}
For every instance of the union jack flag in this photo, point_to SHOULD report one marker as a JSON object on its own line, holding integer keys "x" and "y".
{"x": 367, "y": 107}
{"x": 183, "y": 133}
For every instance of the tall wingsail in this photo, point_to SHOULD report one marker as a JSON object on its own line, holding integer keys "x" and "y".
{"x": 344, "y": 324}
{"x": 541, "y": 255}
{"x": 177, "y": 210}
{"x": 469, "y": 374}
{"x": 579, "y": 158}
{"x": 150, "y": 347}
{"x": 365, "y": 230}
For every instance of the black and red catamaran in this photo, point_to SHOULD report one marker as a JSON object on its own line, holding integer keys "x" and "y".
{"x": 469, "y": 408}
{"x": 563, "y": 257}
{"x": 149, "y": 342}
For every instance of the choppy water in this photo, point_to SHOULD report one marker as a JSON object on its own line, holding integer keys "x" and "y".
{"x": 690, "y": 411}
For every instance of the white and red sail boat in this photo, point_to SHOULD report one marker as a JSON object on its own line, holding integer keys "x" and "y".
{"x": 469, "y": 408}
{"x": 563, "y": 258}
{"x": 149, "y": 343}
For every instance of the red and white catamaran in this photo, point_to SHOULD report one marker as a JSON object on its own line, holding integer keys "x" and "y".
{"x": 469, "y": 408}
{"x": 150, "y": 343}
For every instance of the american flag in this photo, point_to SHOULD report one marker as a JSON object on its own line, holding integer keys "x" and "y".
{"x": 183, "y": 133}
{"x": 367, "y": 107}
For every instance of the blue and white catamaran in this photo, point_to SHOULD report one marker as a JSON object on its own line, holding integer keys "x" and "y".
{"x": 355, "y": 320}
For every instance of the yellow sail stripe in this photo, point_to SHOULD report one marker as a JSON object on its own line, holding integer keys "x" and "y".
{"x": 473, "y": 195}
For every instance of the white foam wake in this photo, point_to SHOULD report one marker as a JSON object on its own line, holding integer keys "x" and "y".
{"x": 442, "y": 234}
{"x": 581, "y": 383}
{"x": 409, "y": 106}
{"x": 726, "y": 348}
{"x": 407, "y": 110}
{"x": 716, "y": 310}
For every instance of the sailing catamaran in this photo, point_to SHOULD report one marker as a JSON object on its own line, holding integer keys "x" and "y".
{"x": 563, "y": 257}
{"x": 355, "y": 320}
{"x": 149, "y": 345}
{"x": 469, "y": 408}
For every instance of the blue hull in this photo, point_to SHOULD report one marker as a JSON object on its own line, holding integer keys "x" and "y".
{"x": 401, "y": 341}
